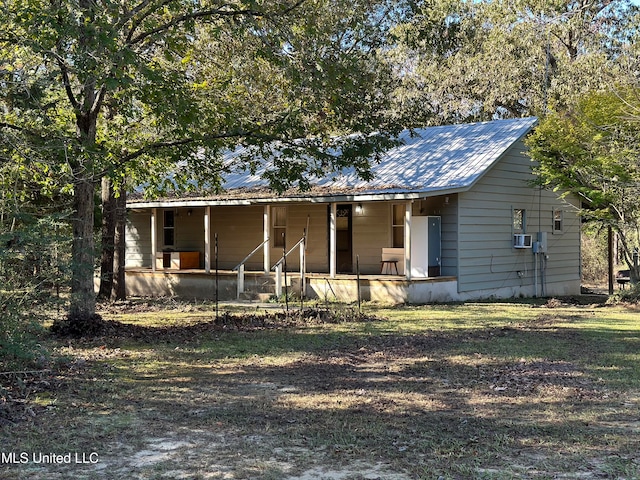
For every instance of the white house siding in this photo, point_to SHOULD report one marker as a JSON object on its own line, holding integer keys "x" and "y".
{"x": 371, "y": 233}
{"x": 138, "y": 239}
{"x": 239, "y": 230}
{"x": 487, "y": 261}
{"x": 299, "y": 217}
{"x": 189, "y": 230}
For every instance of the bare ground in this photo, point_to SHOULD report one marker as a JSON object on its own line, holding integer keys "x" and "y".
{"x": 139, "y": 405}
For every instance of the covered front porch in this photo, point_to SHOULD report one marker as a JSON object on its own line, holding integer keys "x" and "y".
{"x": 259, "y": 286}
{"x": 394, "y": 246}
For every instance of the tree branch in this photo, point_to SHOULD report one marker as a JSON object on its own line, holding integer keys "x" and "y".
{"x": 192, "y": 16}
{"x": 17, "y": 128}
{"x": 220, "y": 11}
{"x": 155, "y": 146}
{"x": 136, "y": 23}
{"x": 64, "y": 71}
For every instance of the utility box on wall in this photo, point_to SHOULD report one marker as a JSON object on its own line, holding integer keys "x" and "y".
{"x": 540, "y": 246}
{"x": 425, "y": 246}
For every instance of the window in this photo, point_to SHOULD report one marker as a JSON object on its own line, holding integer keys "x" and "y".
{"x": 169, "y": 226}
{"x": 519, "y": 220}
{"x": 558, "y": 221}
{"x": 279, "y": 225}
{"x": 397, "y": 225}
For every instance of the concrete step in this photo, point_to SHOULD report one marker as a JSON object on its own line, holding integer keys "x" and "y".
{"x": 255, "y": 296}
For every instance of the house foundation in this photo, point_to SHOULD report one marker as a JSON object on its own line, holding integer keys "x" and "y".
{"x": 197, "y": 284}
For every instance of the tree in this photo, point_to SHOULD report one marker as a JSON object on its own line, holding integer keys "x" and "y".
{"x": 130, "y": 91}
{"x": 593, "y": 150}
{"x": 33, "y": 260}
{"x": 470, "y": 60}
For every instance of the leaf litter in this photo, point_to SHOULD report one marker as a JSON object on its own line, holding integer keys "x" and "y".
{"x": 381, "y": 407}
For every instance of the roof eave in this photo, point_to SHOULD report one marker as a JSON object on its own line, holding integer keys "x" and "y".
{"x": 335, "y": 198}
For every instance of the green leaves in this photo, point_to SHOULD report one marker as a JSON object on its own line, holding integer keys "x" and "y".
{"x": 593, "y": 150}
{"x": 95, "y": 88}
{"x": 475, "y": 60}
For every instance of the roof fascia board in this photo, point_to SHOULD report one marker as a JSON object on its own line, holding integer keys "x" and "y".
{"x": 369, "y": 197}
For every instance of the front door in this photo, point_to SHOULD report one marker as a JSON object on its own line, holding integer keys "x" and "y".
{"x": 344, "y": 247}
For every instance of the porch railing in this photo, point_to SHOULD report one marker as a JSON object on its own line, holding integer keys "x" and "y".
{"x": 240, "y": 267}
{"x": 278, "y": 267}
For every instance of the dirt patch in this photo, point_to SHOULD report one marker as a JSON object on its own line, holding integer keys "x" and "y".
{"x": 358, "y": 471}
{"x": 314, "y": 399}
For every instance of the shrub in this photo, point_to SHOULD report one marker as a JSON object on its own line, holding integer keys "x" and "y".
{"x": 594, "y": 256}
{"x": 32, "y": 259}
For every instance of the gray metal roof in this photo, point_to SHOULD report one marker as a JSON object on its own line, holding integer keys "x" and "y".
{"x": 430, "y": 160}
{"x": 435, "y": 158}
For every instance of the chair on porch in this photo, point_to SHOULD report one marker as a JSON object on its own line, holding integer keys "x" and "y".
{"x": 388, "y": 266}
{"x": 391, "y": 258}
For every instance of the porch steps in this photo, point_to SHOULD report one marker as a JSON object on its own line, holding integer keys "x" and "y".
{"x": 263, "y": 288}
{"x": 259, "y": 288}
{"x": 256, "y": 296}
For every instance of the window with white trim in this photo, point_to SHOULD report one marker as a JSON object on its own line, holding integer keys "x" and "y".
{"x": 558, "y": 221}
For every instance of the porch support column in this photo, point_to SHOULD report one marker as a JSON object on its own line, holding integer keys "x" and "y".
{"x": 266, "y": 226}
{"x": 154, "y": 237}
{"x": 407, "y": 241}
{"x": 333, "y": 213}
{"x": 207, "y": 239}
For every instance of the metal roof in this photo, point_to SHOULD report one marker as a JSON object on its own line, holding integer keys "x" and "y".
{"x": 433, "y": 160}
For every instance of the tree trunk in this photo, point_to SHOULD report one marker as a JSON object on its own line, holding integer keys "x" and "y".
{"x": 83, "y": 298}
{"x": 119, "y": 286}
{"x": 108, "y": 233}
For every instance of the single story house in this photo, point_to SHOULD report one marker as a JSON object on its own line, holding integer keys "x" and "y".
{"x": 451, "y": 214}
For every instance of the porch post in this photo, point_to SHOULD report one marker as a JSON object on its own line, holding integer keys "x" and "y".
{"x": 332, "y": 239}
{"x": 154, "y": 237}
{"x": 207, "y": 239}
{"x": 407, "y": 241}
{"x": 266, "y": 226}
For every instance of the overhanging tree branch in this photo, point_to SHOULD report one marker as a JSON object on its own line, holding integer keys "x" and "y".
{"x": 66, "y": 81}
{"x": 193, "y": 16}
{"x": 224, "y": 10}
{"x": 155, "y": 146}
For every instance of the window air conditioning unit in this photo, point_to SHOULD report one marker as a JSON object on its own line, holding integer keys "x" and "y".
{"x": 522, "y": 240}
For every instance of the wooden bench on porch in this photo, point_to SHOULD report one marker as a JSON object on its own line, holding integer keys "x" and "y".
{"x": 386, "y": 265}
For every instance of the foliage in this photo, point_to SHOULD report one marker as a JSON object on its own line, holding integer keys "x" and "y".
{"x": 32, "y": 269}
{"x": 594, "y": 266}
{"x": 592, "y": 150}
{"x": 95, "y": 88}
{"x": 470, "y": 60}
{"x": 628, "y": 295}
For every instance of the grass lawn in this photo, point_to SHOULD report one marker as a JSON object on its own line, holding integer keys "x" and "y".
{"x": 473, "y": 391}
